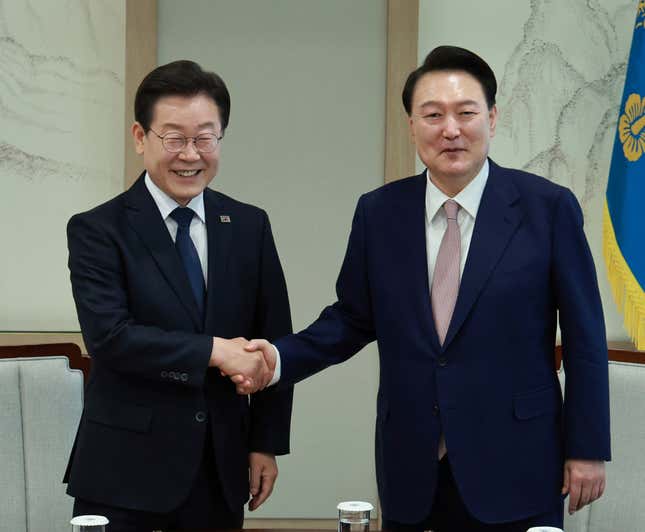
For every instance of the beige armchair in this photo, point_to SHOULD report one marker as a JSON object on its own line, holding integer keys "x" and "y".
{"x": 622, "y": 507}
{"x": 41, "y": 393}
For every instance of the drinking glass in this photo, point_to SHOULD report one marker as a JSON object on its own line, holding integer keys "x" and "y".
{"x": 354, "y": 516}
{"x": 89, "y": 523}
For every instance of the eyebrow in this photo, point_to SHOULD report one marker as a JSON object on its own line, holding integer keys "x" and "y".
{"x": 429, "y": 103}
{"x": 199, "y": 126}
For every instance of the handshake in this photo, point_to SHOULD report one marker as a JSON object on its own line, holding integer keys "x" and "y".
{"x": 249, "y": 364}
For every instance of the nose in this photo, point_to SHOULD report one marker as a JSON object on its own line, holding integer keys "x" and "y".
{"x": 451, "y": 128}
{"x": 189, "y": 153}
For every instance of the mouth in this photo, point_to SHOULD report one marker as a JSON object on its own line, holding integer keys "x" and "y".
{"x": 186, "y": 173}
{"x": 453, "y": 150}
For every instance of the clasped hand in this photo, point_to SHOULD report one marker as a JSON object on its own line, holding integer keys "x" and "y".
{"x": 250, "y": 365}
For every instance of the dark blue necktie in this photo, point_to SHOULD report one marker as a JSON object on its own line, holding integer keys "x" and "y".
{"x": 188, "y": 254}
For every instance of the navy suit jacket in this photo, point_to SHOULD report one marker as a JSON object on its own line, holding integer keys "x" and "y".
{"x": 492, "y": 387}
{"x": 150, "y": 391}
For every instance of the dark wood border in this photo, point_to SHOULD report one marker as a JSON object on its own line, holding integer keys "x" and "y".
{"x": 71, "y": 351}
{"x": 35, "y": 338}
{"x": 617, "y": 352}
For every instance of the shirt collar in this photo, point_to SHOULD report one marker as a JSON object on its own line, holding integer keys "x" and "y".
{"x": 468, "y": 199}
{"x": 166, "y": 204}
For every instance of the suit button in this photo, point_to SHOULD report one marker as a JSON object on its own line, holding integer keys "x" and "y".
{"x": 184, "y": 377}
{"x": 435, "y": 410}
{"x": 171, "y": 374}
{"x": 200, "y": 416}
{"x": 443, "y": 362}
{"x": 164, "y": 374}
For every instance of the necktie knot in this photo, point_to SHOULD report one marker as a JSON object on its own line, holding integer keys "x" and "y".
{"x": 451, "y": 207}
{"x": 183, "y": 216}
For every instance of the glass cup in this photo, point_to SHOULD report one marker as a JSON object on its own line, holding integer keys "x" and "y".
{"x": 354, "y": 516}
{"x": 89, "y": 523}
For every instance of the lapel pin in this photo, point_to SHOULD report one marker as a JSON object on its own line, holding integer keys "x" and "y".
{"x": 225, "y": 219}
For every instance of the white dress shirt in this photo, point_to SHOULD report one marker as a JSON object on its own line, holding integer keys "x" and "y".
{"x": 436, "y": 222}
{"x": 166, "y": 205}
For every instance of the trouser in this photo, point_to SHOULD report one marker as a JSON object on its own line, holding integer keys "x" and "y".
{"x": 449, "y": 513}
{"x": 205, "y": 507}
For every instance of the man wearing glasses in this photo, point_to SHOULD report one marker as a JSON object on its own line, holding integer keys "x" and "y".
{"x": 160, "y": 275}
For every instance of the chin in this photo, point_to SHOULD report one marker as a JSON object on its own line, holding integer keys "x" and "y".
{"x": 453, "y": 170}
{"x": 186, "y": 194}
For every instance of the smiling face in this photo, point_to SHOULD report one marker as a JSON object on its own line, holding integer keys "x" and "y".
{"x": 451, "y": 126}
{"x": 185, "y": 174}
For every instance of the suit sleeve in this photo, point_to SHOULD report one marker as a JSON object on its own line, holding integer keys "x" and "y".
{"x": 271, "y": 408}
{"x": 584, "y": 346}
{"x": 343, "y": 328}
{"x": 113, "y": 338}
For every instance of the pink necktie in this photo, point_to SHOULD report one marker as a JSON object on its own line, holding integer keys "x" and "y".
{"x": 445, "y": 283}
{"x": 445, "y": 279}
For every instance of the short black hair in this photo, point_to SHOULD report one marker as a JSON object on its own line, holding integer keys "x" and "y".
{"x": 180, "y": 78}
{"x": 452, "y": 58}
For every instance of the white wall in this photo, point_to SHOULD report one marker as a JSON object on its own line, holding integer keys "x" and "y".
{"x": 560, "y": 68}
{"x": 61, "y": 145}
{"x": 306, "y": 138}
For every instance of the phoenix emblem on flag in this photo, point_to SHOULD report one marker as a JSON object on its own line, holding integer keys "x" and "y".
{"x": 631, "y": 127}
{"x": 640, "y": 15}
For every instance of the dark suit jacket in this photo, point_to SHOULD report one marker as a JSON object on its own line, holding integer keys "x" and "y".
{"x": 492, "y": 387}
{"x": 150, "y": 391}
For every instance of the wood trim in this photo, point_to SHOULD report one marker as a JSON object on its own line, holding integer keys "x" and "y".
{"x": 140, "y": 58}
{"x": 31, "y": 338}
{"x": 627, "y": 355}
{"x": 402, "y": 44}
{"x": 617, "y": 352}
{"x": 70, "y": 350}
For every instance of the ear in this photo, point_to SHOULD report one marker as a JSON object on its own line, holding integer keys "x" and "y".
{"x": 492, "y": 120}
{"x": 411, "y": 129}
{"x": 138, "y": 134}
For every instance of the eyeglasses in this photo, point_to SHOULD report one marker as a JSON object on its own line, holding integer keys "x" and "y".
{"x": 176, "y": 142}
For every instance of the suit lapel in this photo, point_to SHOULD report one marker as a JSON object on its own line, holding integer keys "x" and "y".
{"x": 411, "y": 215}
{"x": 497, "y": 220}
{"x": 144, "y": 217}
{"x": 219, "y": 227}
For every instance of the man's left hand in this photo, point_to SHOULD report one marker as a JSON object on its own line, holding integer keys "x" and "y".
{"x": 263, "y": 471}
{"x": 584, "y": 481}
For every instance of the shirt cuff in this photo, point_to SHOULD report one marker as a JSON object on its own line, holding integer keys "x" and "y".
{"x": 278, "y": 367}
